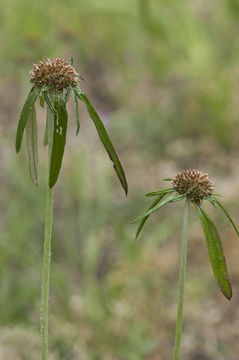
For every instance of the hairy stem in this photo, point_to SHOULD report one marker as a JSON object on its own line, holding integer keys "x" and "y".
{"x": 46, "y": 273}
{"x": 183, "y": 260}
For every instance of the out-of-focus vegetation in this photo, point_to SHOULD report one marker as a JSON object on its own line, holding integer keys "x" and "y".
{"x": 164, "y": 76}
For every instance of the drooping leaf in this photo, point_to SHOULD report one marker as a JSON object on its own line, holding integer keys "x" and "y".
{"x": 58, "y": 141}
{"x": 76, "y": 112}
{"x": 31, "y": 143}
{"x": 42, "y": 100}
{"x": 67, "y": 94}
{"x": 104, "y": 137}
{"x": 48, "y": 101}
{"x": 219, "y": 204}
{"x": 142, "y": 222}
{"x": 215, "y": 252}
{"x": 45, "y": 140}
{"x": 164, "y": 191}
{"x": 172, "y": 198}
{"x": 27, "y": 107}
{"x": 50, "y": 130}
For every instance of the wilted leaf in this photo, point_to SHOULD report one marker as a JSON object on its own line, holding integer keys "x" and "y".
{"x": 31, "y": 142}
{"x": 27, "y": 107}
{"x": 48, "y": 101}
{"x": 58, "y": 142}
{"x": 104, "y": 137}
{"x": 42, "y": 100}
{"x": 76, "y": 112}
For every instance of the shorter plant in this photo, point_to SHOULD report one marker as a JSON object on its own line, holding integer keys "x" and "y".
{"x": 193, "y": 186}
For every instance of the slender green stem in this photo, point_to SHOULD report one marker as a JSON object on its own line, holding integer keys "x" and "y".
{"x": 46, "y": 273}
{"x": 183, "y": 261}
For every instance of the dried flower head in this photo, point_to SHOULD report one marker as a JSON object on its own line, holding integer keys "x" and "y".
{"x": 194, "y": 184}
{"x": 56, "y": 73}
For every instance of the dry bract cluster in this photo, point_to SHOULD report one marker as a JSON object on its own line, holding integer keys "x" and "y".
{"x": 56, "y": 73}
{"x": 194, "y": 184}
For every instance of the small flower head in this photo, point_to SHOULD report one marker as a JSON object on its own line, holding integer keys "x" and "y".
{"x": 56, "y": 73}
{"x": 194, "y": 184}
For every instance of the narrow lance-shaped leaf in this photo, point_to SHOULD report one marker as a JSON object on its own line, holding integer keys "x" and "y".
{"x": 48, "y": 101}
{"x": 214, "y": 200}
{"x": 31, "y": 143}
{"x": 104, "y": 137}
{"x": 172, "y": 198}
{"x": 42, "y": 100}
{"x": 58, "y": 142}
{"x": 164, "y": 191}
{"x": 215, "y": 252}
{"x": 45, "y": 140}
{"x": 67, "y": 94}
{"x": 76, "y": 112}
{"x": 27, "y": 107}
{"x": 142, "y": 222}
{"x": 50, "y": 131}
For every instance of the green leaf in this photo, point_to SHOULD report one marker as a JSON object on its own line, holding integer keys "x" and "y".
{"x": 172, "y": 198}
{"x": 216, "y": 201}
{"x": 42, "y": 100}
{"x": 31, "y": 142}
{"x": 58, "y": 141}
{"x": 168, "y": 179}
{"x": 48, "y": 101}
{"x": 104, "y": 137}
{"x": 67, "y": 94}
{"x": 76, "y": 112}
{"x": 155, "y": 202}
{"x": 50, "y": 130}
{"x": 27, "y": 107}
{"x": 164, "y": 191}
{"x": 45, "y": 141}
{"x": 215, "y": 252}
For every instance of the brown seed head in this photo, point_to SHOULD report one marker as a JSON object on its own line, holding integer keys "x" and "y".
{"x": 194, "y": 184}
{"x": 56, "y": 73}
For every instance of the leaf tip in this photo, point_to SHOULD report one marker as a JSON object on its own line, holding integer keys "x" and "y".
{"x": 229, "y": 295}
{"x": 126, "y": 190}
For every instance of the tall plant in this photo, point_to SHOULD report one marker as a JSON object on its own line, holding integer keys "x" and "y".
{"x": 53, "y": 81}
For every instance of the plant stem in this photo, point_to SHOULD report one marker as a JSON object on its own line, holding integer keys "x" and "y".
{"x": 183, "y": 261}
{"x": 46, "y": 273}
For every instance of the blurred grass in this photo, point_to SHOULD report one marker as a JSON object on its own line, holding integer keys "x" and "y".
{"x": 164, "y": 77}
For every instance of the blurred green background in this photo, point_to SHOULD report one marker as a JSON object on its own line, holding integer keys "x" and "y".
{"x": 164, "y": 76}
